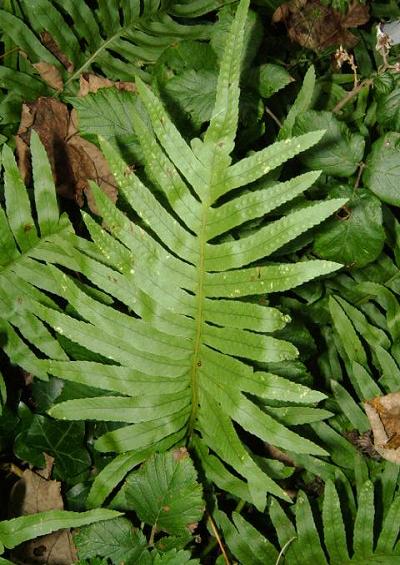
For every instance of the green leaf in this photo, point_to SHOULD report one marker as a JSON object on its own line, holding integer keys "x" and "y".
{"x": 349, "y": 407}
{"x": 382, "y": 168}
{"x": 244, "y": 541}
{"x": 18, "y": 530}
{"x": 340, "y": 151}
{"x": 62, "y": 440}
{"x": 194, "y": 93}
{"x": 3, "y": 394}
{"x": 164, "y": 492}
{"x": 108, "y": 113}
{"x": 308, "y": 541}
{"x": 334, "y": 532}
{"x": 388, "y": 112}
{"x": 363, "y": 540}
{"x": 116, "y": 540}
{"x": 355, "y": 236}
{"x": 300, "y": 105}
{"x": 345, "y": 329}
{"x": 272, "y": 78}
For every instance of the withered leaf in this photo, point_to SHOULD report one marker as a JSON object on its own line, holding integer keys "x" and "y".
{"x": 89, "y": 82}
{"x": 384, "y": 415}
{"x": 50, "y": 74}
{"x": 74, "y": 160}
{"x": 316, "y": 26}
{"x": 31, "y": 494}
{"x": 50, "y": 43}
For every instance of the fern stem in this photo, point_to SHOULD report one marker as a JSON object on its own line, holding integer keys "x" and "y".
{"x": 94, "y": 55}
{"x": 196, "y": 363}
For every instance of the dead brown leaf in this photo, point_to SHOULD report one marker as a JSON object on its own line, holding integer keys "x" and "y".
{"x": 316, "y": 26}
{"x": 50, "y": 43}
{"x": 74, "y": 160}
{"x": 31, "y": 494}
{"x": 89, "y": 82}
{"x": 50, "y": 74}
{"x": 384, "y": 415}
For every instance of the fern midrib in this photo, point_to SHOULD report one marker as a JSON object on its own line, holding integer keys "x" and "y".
{"x": 196, "y": 363}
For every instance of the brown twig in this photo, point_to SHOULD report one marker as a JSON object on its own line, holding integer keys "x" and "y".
{"x": 351, "y": 94}
{"x": 219, "y": 541}
{"x": 361, "y": 167}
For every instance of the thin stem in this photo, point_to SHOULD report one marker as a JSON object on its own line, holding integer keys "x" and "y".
{"x": 361, "y": 167}
{"x": 350, "y": 95}
{"x": 152, "y": 534}
{"x": 219, "y": 541}
{"x": 272, "y": 115}
{"x": 284, "y": 548}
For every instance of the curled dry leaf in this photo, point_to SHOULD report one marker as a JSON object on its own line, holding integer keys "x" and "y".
{"x": 90, "y": 82}
{"x": 316, "y": 26}
{"x": 384, "y": 415}
{"x": 74, "y": 160}
{"x": 31, "y": 494}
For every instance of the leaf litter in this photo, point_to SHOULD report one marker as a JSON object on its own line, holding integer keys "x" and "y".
{"x": 35, "y": 492}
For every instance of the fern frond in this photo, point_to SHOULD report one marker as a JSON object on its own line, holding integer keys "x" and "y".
{"x": 372, "y": 540}
{"x": 21, "y": 236}
{"x": 137, "y": 31}
{"x": 181, "y": 368}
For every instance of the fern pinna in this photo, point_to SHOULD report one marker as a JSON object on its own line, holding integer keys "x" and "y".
{"x": 170, "y": 314}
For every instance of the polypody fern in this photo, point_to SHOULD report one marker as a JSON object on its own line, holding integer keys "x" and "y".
{"x": 174, "y": 321}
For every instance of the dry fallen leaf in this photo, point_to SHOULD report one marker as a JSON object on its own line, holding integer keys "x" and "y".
{"x": 74, "y": 160}
{"x": 50, "y": 74}
{"x": 88, "y": 83}
{"x": 384, "y": 415}
{"x": 316, "y": 26}
{"x": 31, "y": 494}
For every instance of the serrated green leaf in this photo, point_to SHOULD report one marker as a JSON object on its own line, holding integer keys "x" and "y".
{"x": 164, "y": 492}
{"x": 117, "y": 541}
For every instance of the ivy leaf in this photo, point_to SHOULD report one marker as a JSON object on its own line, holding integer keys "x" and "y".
{"x": 164, "y": 492}
{"x": 116, "y": 540}
{"x": 194, "y": 92}
{"x": 339, "y": 152}
{"x": 62, "y": 440}
{"x": 355, "y": 235}
{"x": 382, "y": 170}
